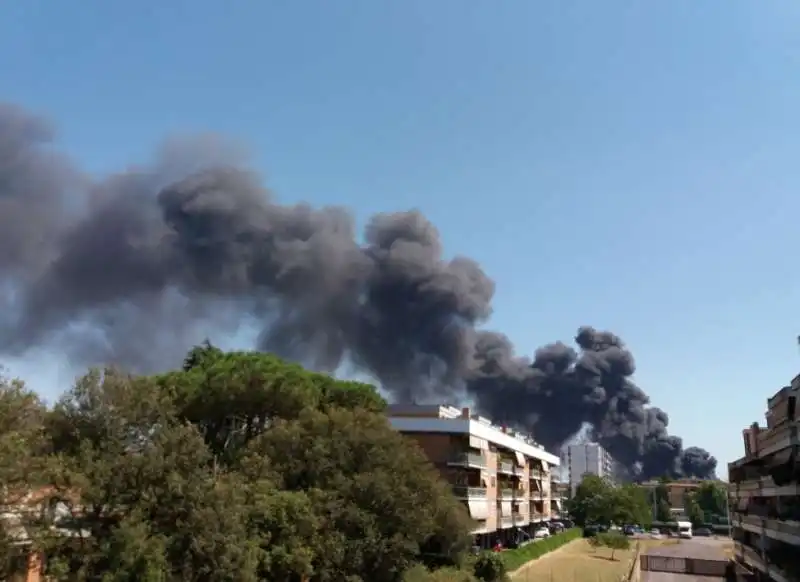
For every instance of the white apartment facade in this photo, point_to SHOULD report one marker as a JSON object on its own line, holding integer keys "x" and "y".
{"x": 588, "y": 458}
{"x": 503, "y": 477}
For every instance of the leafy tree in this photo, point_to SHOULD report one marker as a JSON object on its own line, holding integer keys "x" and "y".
{"x": 629, "y": 505}
{"x": 350, "y": 459}
{"x": 694, "y": 512}
{"x": 147, "y": 506}
{"x": 592, "y": 502}
{"x": 23, "y": 447}
{"x": 613, "y": 541}
{"x": 663, "y": 509}
{"x": 711, "y": 496}
{"x": 237, "y": 467}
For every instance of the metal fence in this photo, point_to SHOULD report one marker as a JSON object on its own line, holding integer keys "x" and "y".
{"x": 692, "y": 566}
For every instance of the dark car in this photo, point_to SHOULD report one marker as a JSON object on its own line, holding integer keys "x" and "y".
{"x": 629, "y": 530}
{"x": 590, "y": 531}
{"x": 703, "y": 532}
{"x": 568, "y": 523}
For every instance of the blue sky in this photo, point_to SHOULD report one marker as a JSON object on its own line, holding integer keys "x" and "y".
{"x": 623, "y": 164}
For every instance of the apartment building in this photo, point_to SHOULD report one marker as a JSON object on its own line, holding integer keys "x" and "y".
{"x": 678, "y": 493}
{"x": 589, "y": 458}
{"x": 765, "y": 492}
{"x": 559, "y": 493}
{"x": 502, "y": 477}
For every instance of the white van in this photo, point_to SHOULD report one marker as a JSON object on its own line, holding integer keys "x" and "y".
{"x": 685, "y": 530}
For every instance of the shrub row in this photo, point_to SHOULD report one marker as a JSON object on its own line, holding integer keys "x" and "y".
{"x": 513, "y": 559}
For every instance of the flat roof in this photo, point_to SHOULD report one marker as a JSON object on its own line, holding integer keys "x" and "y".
{"x": 471, "y": 426}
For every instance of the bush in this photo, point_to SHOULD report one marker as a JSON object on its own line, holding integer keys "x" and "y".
{"x": 513, "y": 559}
{"x": 490, "y": 567}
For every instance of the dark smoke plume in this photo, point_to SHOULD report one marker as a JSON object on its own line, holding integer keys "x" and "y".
{"x": 131, "y": 268}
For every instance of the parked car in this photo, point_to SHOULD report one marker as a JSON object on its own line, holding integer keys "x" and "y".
{"x": 542, "y": 532}
{"x": 703, "y": 532}
{"x": 590, "y": 531}
{"x": 629, "y": 530}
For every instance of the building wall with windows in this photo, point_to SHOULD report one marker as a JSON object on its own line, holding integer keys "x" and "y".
{"x": 503, "y": 477}
{"x": 588, "y": 458}
{"x": 764, "y": 492}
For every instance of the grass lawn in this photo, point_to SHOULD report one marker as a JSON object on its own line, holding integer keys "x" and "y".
{"x": 579, "y": 562}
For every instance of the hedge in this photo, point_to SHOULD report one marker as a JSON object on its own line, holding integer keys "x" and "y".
{"x": 515, "y": 558}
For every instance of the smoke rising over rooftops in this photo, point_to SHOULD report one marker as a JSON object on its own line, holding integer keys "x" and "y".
{"x": 127, "y": 269}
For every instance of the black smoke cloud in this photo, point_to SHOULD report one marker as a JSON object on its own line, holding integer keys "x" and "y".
{"x": 131, "y": 268}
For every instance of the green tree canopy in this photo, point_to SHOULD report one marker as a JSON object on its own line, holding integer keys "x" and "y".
{"x": 613, "y": 541}
{"x": 598, "y": 501}
{"x": 711, "y": 497}
{"x": 237, "y": 467}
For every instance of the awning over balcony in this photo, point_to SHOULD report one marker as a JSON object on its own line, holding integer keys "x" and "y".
{"x": 478, "y": 509}
{"x": 520, "y": 458}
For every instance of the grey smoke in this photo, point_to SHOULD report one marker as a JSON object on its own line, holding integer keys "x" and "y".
{"x": 131, "y": 268}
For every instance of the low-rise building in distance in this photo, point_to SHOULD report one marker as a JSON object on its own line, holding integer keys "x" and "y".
{"x": 678, "y": 493}
{"x": 503, "y": 477}
{"x": 765, "y": 492}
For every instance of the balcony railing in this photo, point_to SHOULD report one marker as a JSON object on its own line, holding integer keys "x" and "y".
{"x": 537, "y": 516}
{"x": 519, "y": 518}
{"x": 468, "y": 460}
{"x": 537, "y": 495}
{"x": 506, "y": 493}
{"x": 791, "y": 528}
{"x": 466, "y": 492}
{"x": 506, "y": 467}
{"x": 536, "y": 473}
{"x": 506, "y": 521}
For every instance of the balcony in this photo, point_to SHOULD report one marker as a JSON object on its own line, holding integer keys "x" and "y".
{"x": 536, "y": 474}
{"x": 537, "y": 516}
{"x": 475, "y": 460}
{"x": 506, "y": 467}
{"x": 506, "y": 521}
{"x": 465, "y": 492}
{"x": 775, "y": 526}
{"x": 519, "y": 518}
{"x": 537, "y": 495}
{"x": 506, "y": 493}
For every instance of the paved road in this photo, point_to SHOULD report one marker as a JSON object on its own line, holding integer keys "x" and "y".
{"x": 705, "y": 548}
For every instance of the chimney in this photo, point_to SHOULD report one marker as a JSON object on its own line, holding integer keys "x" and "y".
{"x": 465, "y": 413}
